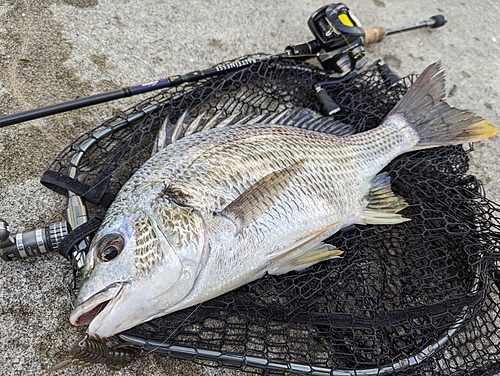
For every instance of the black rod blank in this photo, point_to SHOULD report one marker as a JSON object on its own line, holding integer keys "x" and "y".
{"x": 433, "y": 23}
{"x": 62, "y": 107}
{"x": 128, "y": 91}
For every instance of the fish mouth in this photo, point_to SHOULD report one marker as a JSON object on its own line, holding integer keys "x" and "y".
{"x": 97, "y": 305}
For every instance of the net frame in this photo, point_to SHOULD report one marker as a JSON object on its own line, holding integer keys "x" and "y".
{"x": 264, "y": 88}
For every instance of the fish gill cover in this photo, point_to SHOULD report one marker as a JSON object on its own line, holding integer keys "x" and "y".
{"x": 420, "y": 297}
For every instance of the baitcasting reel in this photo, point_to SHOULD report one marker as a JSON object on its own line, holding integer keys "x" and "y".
{"x": 340, "y": 47}
{"x": 340, "y": 40}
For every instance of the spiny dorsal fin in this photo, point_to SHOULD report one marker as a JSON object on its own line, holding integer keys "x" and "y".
{"x": 298, "y": 117}
{"x": 307, "y": 119}
{"x": 169, "y": 133}
{"x": 383, "y": 203}
{"x": 252, "y": 203}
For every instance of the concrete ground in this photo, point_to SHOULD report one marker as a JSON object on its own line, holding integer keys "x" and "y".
{"x": 55, "y": 50}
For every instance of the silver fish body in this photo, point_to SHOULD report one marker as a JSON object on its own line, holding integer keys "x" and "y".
{"x": 220, "y": 208}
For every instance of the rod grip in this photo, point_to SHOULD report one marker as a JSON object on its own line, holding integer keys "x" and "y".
{"x": 34, "y": 242}
{"x": 375, "y": 35}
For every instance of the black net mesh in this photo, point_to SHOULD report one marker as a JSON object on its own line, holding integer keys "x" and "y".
{"x": 416, "y": 298}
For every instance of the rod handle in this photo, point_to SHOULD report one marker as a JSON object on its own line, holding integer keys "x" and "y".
{"x": 375, "y": 35}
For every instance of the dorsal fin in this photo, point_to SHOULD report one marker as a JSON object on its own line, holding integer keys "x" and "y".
{"x": 298, "y": 117}
{"x": 308, "y": 119}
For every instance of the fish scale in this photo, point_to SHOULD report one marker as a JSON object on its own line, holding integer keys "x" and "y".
{"x": 249, "y": 167}
{"x": 221, "y": 207}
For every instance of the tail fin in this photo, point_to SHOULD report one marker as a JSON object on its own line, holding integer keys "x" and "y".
{"x": 436, "y": 122}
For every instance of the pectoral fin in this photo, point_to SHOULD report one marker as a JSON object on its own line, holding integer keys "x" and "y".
{"x": 258, "y": 198}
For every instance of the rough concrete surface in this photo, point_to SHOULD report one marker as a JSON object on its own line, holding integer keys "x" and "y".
{"x": 55, "y": 50}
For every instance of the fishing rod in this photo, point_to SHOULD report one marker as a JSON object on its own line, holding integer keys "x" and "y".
{"x": 127, "y": 91}
{"x": 339, "y": 45}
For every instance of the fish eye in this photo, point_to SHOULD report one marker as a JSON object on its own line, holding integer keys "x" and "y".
{"x": 109, "y": 253}
{"x": 110, "y": 247}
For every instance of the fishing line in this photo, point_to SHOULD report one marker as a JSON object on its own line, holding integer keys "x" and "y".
{"x": 175, "y": 330}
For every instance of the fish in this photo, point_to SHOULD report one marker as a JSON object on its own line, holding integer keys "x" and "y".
{"x": 222, "y": 207}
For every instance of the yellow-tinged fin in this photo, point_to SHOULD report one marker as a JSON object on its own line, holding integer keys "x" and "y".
{"x": 436, "y": 122}
{"x": 305, "y": 252}
{"x": 321, "y": 252}
{"x": 258, "y": 198}
{"x": 383, "y": 203}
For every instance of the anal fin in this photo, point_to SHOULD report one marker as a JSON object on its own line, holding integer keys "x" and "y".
{"x": 321, "y": 252}
{"x": 304, "y": 252}
{"x": 383, "y": 203}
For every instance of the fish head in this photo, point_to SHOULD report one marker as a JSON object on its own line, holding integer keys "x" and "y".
{"x": 141, "y": 263}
